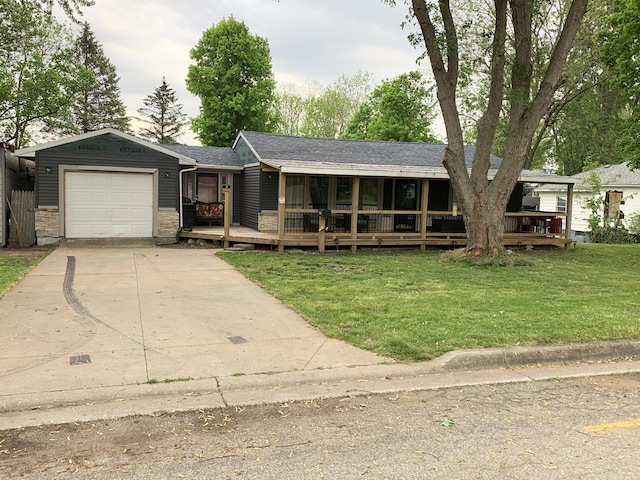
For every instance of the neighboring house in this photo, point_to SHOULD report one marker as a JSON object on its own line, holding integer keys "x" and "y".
{"x": 619, "y": 192}
{"x": 282, "y": 190}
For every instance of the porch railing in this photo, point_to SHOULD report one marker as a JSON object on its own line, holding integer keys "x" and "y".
{"x": 409, "y": 222}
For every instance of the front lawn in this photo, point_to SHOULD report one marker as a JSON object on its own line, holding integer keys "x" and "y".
{"x": 417, "y": 305}
{"x": 15, "y": 263}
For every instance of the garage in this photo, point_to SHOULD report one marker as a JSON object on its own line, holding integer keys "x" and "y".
{"x": 108, "y": 204}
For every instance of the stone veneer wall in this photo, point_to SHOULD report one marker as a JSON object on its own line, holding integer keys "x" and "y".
{"x": 268, "y": 222}
{"x": 168, "y": 224}
{"x": 47, "y": 225}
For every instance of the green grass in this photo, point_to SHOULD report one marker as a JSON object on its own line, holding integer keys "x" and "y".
{"x": 154, "y": 381}
{"x": 15, "y": 266}
{"x": 416, "y": 306}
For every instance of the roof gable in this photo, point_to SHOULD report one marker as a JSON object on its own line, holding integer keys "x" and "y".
{"x": 30, "y": 152}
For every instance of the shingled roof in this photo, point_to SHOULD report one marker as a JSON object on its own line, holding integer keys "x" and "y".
{"x": 283, "y": 149}
{"x": 224, "y": 157}
{"x": 619, "y": 175}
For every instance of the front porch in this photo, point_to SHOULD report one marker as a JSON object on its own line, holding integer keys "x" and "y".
{"x": 386, "y": 229}
{"x": 336, "y": 211}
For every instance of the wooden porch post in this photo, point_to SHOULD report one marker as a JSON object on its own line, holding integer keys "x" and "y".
{"x": 355, "y": 205}
{"x": 569, "y": 212}
{"x": 424, "y": 206}
{"x": 282, "y": 190}
{"x": 322, "y": 223}
{"x": 227, "y": 215}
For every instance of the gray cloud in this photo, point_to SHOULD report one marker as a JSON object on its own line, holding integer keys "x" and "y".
{"x": 309, "y": 40}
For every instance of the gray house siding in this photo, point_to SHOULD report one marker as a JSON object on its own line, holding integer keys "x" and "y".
{"x": 250, "y": 197}
{"x": 245, "y": 153}
{"x": 237, "y": 198}
{"x": 105, "y": 151}
{"x": 269, "y": 191}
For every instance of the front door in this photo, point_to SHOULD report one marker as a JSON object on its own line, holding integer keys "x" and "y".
{"x": 406, "y": 198}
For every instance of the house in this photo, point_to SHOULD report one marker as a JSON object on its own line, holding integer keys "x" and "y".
{"x": 619, "y": 195}
{"x": 269, "y": 189}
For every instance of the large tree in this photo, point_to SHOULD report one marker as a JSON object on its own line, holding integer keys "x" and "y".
{"x": 39, "y": 74}
{"x": 232, "y": 76}
{"x": 484, "y": 202}
{"x": 163, "y": 114}
{"x": 584, "y": 123}
{"x": 98, "y": 105}
{"x": 400, "y": 110}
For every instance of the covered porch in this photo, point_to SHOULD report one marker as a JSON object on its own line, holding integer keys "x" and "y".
{"x": 339, "y": 211}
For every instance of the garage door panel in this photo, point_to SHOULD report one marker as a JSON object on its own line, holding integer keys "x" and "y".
{"x": 108, "y": 204}
{"x": 99, "y": 197}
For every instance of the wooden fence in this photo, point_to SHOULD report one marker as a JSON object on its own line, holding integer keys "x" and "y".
{"x": 23, "y": 219}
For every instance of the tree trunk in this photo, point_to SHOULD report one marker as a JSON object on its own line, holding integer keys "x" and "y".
{"x": 484, "y": 202}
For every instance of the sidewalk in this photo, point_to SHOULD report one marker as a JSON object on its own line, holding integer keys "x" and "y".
{"x": 89, "y": 332}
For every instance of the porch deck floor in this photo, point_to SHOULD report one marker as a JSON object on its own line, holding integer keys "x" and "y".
{"x": 240, "y": 234}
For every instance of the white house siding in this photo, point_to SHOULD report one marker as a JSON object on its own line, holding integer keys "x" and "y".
{"x": 614, "y": 178}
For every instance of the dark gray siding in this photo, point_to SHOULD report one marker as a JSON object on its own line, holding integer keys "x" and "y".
{"x": 269, "y": 191}
{"x": 245, "y": 153}
{"x": 237, "y": 198}
{"x": 105, "y": 151}
{"x": 250, "y": 197}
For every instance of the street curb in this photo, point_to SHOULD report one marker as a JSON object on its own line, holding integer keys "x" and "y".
{"x": 491, "y": 358}
{"x": 453, "y": 369}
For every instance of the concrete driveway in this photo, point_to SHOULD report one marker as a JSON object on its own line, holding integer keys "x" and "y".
{"x": 87, "y": 318}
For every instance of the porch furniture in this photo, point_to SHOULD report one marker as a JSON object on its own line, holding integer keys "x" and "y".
{"x": 404, "y": 223}
{"x": 210, "y": 213}
{"x": 188, "y": 213}
{"x": 448, "y": 225}
{"x": 540, "y": 222}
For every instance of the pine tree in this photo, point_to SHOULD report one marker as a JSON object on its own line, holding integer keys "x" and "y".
{"x": 164, "y": 115}
{"x": 98, "y": 106}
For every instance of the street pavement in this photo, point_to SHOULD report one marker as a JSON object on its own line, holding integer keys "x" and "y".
{"x": 110, "y": 330}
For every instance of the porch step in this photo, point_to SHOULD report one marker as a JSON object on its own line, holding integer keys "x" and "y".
{"x": 241, "y": 247}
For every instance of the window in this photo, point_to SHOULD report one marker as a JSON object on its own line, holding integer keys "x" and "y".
{"x": 343, "y": 193}
{"x": 561, "y": 205}
{"x": 294, "y": 191}
{"x": 319, "y": 192}
{"x": 369, "y": 193}
{"x": 207, "y": 191}
{"x": 189, "y": 186}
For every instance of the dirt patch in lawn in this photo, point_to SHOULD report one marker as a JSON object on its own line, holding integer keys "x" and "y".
{"x": 26, "y": 255}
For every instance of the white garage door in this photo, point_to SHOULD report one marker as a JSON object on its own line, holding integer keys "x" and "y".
{"x": 106, "y": 204}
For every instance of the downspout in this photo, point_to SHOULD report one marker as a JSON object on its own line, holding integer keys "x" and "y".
{"x": 3, "y": 197}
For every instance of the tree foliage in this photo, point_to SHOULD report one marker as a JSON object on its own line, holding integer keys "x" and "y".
{"x": 621, "y": 53}
{"x": 163, "y": 114}
{"x": 98, "y": 105}
{"x": 588, "y": 117}
{"x": 398, "y": 110}
{"x": 525, "y": 96}
{"x": 232, "y": 75}
{"x": 313, "y": 110}
{"x": 72, "y": 8}
{"x": 39, "y": 73}
{"x": 328, "y": 114}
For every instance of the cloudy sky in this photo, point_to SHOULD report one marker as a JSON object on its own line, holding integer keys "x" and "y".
{"x": 310, "y": 40}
